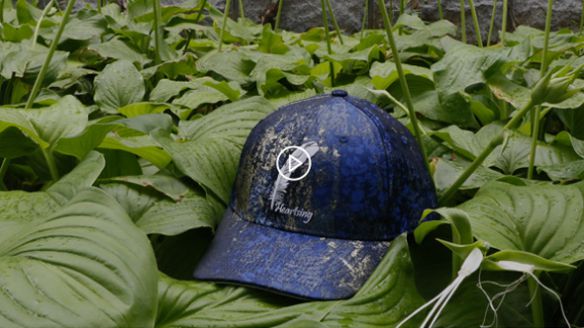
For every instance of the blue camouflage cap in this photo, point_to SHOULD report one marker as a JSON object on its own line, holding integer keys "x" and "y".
{"x": 323, "y": 187}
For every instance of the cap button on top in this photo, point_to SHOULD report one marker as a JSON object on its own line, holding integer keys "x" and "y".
{"x": 339, "y": 93}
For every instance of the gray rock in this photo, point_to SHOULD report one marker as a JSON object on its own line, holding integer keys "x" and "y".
{"x": 451, "y": 10}
{"x": 566, "y": 13}
{"x": 300, "y": 15}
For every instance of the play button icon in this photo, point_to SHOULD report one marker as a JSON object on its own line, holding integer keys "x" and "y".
{"x": 294, "y": 162}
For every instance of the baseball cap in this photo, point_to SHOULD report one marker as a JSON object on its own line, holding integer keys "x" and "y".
{"x": 322, "y": 188}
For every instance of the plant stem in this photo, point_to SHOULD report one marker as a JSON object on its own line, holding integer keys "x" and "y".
{"x": 440, "y": 12}
{"x": 536, "y": 112}
{"x": 325, "y": 24}
{"x": 402, "y": 7}
{"x": 475, "y": 20}
{"x": 579, "y": 315}
{"x": 39, "y": 80}
{"x": 463, "y": 21}
{"x": 50, "y": 159}
{"x": 1, "y": 11}
{"x": 241, "y": 10}
{"x": 492, "y": 23}
{"x": 334, "y": 19}
{"x": 278, "y": 15}
{"x": 402, "y": 79}
{"x": 582, "y": 19}
{"x": 548, "y": 27}
{"x": 224, "y": 23}
{"x": 3, "y": 169}
{"x": 504, "y": 21}
{"x": 38, "y": 25}
{"x": 365, "y": 18}
{"x": 188, "y": 41}
{"x": 536, "y": 304}
{"x": 200, "y": 13}
{"x": 391, "y": 10}
{"x": 157, "y": 34}
{"x": 485, "y": 153}
{"x": 456, "y": 261}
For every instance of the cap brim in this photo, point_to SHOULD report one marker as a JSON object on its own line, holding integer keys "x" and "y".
{"x": 296, "y": 264}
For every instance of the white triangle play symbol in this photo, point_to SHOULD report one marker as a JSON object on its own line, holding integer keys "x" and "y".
{"x": 293, "y": 163}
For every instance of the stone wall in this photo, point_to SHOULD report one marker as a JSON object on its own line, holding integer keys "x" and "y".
{"x": 299, "y": 15}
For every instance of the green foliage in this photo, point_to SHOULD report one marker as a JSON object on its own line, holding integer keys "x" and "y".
{"x": 145, "y": 126}
{"x": 119, "y": 84}
{"x": 72, "y": 257}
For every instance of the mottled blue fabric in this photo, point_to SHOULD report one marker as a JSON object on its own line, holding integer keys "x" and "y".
{"x": 368, "y": 183}
{"x": 291, "y": 263}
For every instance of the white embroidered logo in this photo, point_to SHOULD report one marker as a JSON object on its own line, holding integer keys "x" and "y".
{"x": 293, "y": 162}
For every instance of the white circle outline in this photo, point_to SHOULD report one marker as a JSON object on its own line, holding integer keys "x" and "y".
{"x": 278, "y": 163}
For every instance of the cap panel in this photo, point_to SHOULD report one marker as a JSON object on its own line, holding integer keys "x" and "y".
{"x": 298, "y": 264}
{"x": 259, "y": 151}
{"x": 412, "y": 189}
{"x": 345, "y": 195}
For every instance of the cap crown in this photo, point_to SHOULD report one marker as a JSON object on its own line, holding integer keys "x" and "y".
{"x": 368, "y": 180}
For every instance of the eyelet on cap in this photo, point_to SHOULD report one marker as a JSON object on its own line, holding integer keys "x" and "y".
{"x": 339, "y": 93}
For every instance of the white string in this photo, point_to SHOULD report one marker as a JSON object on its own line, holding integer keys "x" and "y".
{"x": 510, "y": 287}
{"x": 446, "y": 302}
{"x": 471, "y": 264}
{"x": 418, "y": 310}
{"x": 490, "y": 305}
{"x": 528, "y": 270}
{"x": 443, "y": 295}
{"x": 553, "y": 292}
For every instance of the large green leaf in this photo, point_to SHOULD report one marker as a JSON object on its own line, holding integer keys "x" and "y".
{"x": 447, "y": 171}
{"x": 211, "y": 162}
{"x": 16, "y": 33}
{"x": 514, "y": 155}
{"x": 83, "y": 28}
{"x": 141, "y": 145}
{"x": 74, "y": 262}
{"x": 271, "y": 42}
{"x": 467, "y": 143}
{"x": 155, "y": 212}
{"x": 545, "y": 219}
{"x": 511, "y": 156}
{"x": 178, "y": 67}
{"x": 565, "y": 171}
{"x": 270, "y": 68}
{"x": 202, "y": 95}
{"x": 465, "y": 67}
{"x": 356, "y": 62}
{"x": 81, "y": 144}
{"x": 46, "y": 126}
{"x": 117, "y": 49}
{"x": 232, "y": 121}
{"x": 231, "y": 65}
{"x": 81, "y": 177}
{"x": 386, "y": 298}
{"x": 20, "y": 60}
{"x": 385, "y": 74}
{"x": 168, "y": 89}
{"x": 119, "y": 84}
{"x": 207, "y": 149}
